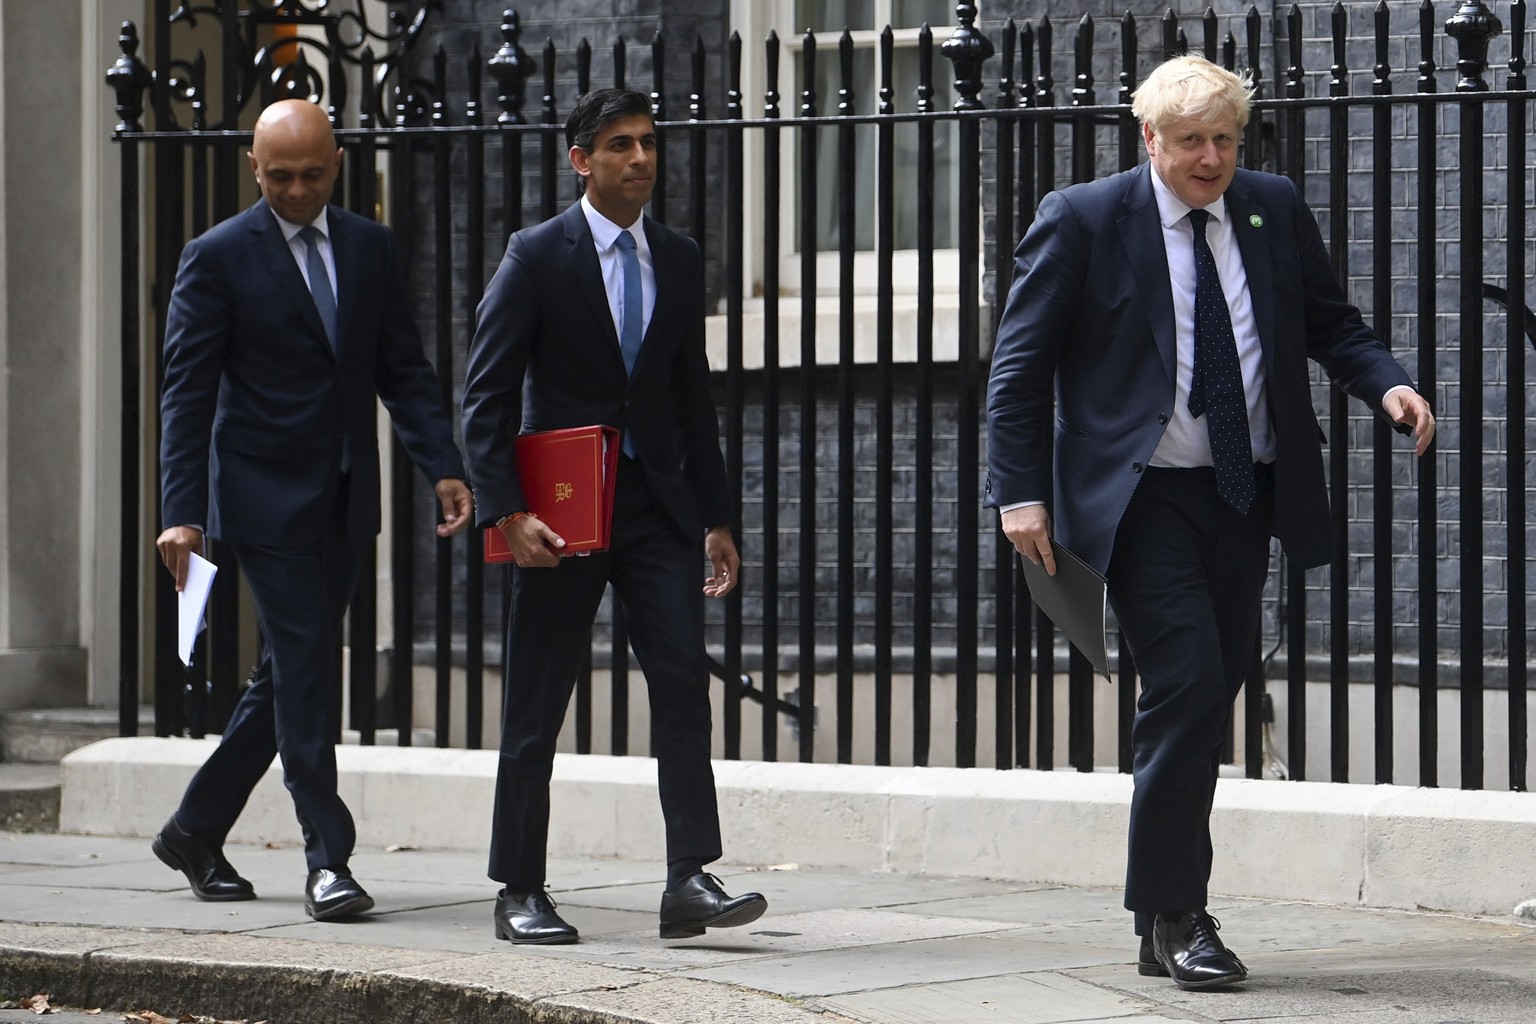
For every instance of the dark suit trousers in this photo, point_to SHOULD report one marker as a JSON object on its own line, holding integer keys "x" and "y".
{"x": 656, "y": 572}
{"x": 288, "y": 710}
{"x": 1186, "y": 580}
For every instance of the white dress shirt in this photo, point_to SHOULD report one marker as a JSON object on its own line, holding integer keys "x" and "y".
{"x": 300, "y": 253}
{"x": 1187, "y": 441}
{"x": 610, "y": 261}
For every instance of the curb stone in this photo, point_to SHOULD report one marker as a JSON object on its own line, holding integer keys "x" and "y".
{"x": 296, "y": 981}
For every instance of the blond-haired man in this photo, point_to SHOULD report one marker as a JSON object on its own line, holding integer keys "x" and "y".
{"x": 1150, "y": 410}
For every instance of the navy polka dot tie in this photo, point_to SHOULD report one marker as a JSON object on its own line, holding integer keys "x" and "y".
{"x": 1216, "y": 389}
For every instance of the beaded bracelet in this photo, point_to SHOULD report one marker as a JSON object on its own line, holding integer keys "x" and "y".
{"x": 514, "y": 517}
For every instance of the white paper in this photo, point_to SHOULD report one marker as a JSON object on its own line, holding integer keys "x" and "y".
{"x": 191, "y": 602}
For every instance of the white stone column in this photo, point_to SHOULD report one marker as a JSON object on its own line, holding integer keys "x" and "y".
{"x": 56, "y": 392}
{"x": 101, "y": 379}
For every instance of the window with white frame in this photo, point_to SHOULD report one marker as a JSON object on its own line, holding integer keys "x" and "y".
{"x": 865, "y": 20}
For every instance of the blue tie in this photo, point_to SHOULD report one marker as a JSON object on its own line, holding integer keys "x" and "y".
{"x": 1216, "y": 387}
{"x": 320, "y": 284}
{"x": 325, "y": 302}
{"x": 630, "y": 314}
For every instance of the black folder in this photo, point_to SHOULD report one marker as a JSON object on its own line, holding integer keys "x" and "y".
{"x": 1074, "y": 599}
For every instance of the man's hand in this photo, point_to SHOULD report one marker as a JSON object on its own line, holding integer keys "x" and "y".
{"x": 1030, "y": 530}
{"x": 1406, "y": 405}
{"x": 456, "y": 502}
{"x": 724, "y": 562}
{"x": 176, "y": 546}
{"x": 533, "y": 544}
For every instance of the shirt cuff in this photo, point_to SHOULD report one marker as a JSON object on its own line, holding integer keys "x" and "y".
{"x": 1016, "y": 504}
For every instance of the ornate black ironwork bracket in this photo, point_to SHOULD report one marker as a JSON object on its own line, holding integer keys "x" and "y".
{"x": 310, "y": 64}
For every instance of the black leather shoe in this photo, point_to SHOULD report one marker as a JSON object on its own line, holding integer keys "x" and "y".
{"x": 1187, "y": 947}
{"x": 530, "y": 920}
{"x": 331, "y": 893}
{"x": 1146, "y": 961}
{"x": 211, "y": 875}
{"x": 700, "y": 903}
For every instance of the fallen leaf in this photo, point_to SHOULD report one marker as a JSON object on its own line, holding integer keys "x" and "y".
{"x": 37, "y": 1003}
{"x": 398, "y": 848}
{"x": 274, "y": 846}
{"x": 783, "y": 867}
{"x": 93, "y": 1012}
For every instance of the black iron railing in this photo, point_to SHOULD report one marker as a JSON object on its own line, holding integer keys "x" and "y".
{"x": 872, "y": 569}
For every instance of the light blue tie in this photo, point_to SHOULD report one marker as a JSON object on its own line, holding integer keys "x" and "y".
{"x": 630, "y": 314}
{"x": 320, "y": 284}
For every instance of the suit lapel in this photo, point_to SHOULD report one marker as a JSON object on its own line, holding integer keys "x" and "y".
{"x": 1141, "y": 232}
{"x": 1248, "y": 220}
{"x": 349, "y": 270}
{"x": 666, "y": 288}
{"x": 589, "y": 278}
{"x": 273, "y": 252}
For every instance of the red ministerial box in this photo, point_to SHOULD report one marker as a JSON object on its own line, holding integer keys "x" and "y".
{"x": 567, "y": 477}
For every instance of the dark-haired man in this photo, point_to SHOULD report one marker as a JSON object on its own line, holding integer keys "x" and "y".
{"x": 597, "y": 316}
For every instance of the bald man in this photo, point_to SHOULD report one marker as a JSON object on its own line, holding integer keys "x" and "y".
{"x": 286, "y": 324}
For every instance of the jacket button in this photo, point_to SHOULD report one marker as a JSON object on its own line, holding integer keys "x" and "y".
{"x": 1162, "y": 418}
{"x": 1135, "y": 467}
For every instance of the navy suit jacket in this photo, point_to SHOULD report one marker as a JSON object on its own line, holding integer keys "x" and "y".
{"x": 546, "y": 355}
{"x": 256, "y": 406}
{"x": 1082, "y": 380}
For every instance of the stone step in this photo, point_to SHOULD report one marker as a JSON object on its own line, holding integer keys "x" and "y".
{"x": 29, "y": 797}
{"x": 45, "y": 735}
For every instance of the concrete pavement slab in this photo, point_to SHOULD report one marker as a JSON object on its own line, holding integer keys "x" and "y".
{"x": 1030, "y": 905}
{"x": 1008, "y": 999}
{"x": 683, "y": 1001}
{"x": 65, "y": 850}
{"x": 896, "y": 964}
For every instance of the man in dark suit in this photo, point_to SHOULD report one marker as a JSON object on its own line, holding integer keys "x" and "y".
{"x": 597, "y": 316}
{"x": 1150, "y": 409}
{"x": 286, "y": 325}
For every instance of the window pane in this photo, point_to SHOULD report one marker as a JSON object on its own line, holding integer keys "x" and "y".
{"x": 946, "y": 171}
{"x": 912, "y": 13}
{"x": 828, "y": 82}
{"x": 904, "y": 79}
{"x": 834, "y": 15}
